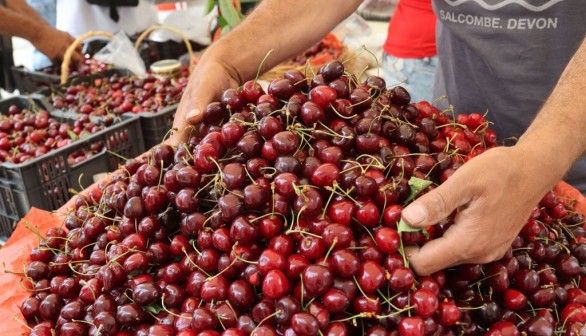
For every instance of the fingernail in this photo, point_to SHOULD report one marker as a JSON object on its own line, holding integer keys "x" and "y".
{"x": 193, "y": 114}
{"x": 414, "y": 214}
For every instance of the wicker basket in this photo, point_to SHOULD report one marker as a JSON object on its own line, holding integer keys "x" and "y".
{"x": 137, "y": 44}
{"x": 355, "y": 62}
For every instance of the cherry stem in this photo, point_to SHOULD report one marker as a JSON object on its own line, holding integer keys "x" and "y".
{"x": 224, "y": 270}
{"x": 116, "y": 155}
{"x": 360, "y": 289}
{"x": 17, "y": 319}
{"x": 278, "y": 311}
{"x": 288, "y": 232}
{"x": 402, "y": 251}
{"x": 302, "y": 291}
{"x": 261, "y": 64}
{"x": 170, "y": 312}
{"x": 388, "y": 300}
{"x": 244, "y": 260}
{"x": 477, "y": 282}
{"x": 400, "y": 311}
{"x": 354, "y": 317}
{"x": 161, "y": 175}
{"x": 330, "y": 250}
{"x": 194, "y": 264}
{"x": 194, "y": 248}
{"x": 339, "y": 114}
{"x": 169, "y": 132}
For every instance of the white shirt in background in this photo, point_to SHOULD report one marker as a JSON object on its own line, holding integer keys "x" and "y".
{"x": 78, "y": 17}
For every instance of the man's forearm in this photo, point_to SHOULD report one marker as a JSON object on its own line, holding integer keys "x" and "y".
{"x": 16, "y": 24}
{"x": 287, "y": 26}
{"x": 557, "y": 136}
{"x": 22, "y": 7}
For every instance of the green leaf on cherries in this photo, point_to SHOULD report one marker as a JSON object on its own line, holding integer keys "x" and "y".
{"x": 72, "y": 135}
{"x": 402, "y": 226}
{"x": 417, "y": 186}
{"x": 154, "y": 308}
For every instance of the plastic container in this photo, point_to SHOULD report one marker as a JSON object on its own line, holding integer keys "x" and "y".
{"x": 47, "y": 92}
{"x": 46, "y": 182}
{"x": 29, "y": 81}
{"x": 152, "y": 51}
{"x": 155, "y": 126}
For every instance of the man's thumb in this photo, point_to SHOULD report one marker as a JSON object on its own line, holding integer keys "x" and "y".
{"x": 434, "y": 206}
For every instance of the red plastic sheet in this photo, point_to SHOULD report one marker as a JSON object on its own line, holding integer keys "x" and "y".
{"x": 13, "y": 256}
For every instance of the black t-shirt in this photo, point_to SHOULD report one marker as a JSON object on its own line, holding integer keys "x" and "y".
{"x": 505, "y": 57}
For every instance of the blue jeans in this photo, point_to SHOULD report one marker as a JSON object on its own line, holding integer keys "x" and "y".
{"x": 48, "y": 10}
{"x": 414, "y": 74}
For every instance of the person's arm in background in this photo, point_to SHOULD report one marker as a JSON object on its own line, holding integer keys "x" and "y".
{"x": 21, "y": 6}
{"x": 19, "y": 19}
{"x": 286, "y": 26}
{"x": 496, "y": 191}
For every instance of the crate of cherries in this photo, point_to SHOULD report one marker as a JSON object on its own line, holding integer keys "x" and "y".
{"x": 43, "y": 155}
{"x": 30, "y": 81}
{"x": 282, "y": 217}
{"x": 117, "y": 92}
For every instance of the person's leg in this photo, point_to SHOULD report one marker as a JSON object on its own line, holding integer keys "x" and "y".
{"x": 394, "y": 71}
{"x": 414, "y": 74}
{"x": 422, "y": 78}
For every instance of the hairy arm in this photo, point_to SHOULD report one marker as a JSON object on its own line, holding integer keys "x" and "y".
{"x": 19, "y": 19}
{"x": 17, "y": 23}
{"x": 286, "y": 26}
{"x": 21, "y": 6}
{"x": 559, "y": 127}
{"x": 496, "y": 191}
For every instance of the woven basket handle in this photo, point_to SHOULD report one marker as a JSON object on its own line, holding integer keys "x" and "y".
{"x": 69, "y": 52}
{"x": 171, "y": 29}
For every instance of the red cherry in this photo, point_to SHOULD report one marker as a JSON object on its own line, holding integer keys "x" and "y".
{"x": 401, "y": 279}
{"x": 514, "y": 299}
{"x": 388, "y": 240}
{"x": 574, "y": 312}
{"x": 325, "y": 175}
{"x": 323, "y": 96}
{"x": 342, "y": 212}
{"x": 449, "y": 314}
{"x": 368, "y": 214}
{"x": 503, "y": 328}
{"x": 411, "y": 326}
{"x": 426, "y": 302}
{"x": 275, "y": 284}
{"x": 370, "y": 277}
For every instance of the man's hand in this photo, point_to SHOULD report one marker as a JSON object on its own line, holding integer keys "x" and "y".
{"x": 53, "y": 43}
{"x": 494, "y": 194}
{"x": 237, "y": 56}
{"x": 205, "y": 85}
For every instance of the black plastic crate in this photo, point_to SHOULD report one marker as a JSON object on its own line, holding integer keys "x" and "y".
{"x": 30, "y": 81}
{"x": 7, "y": 226}
{"x": 156, "y": 125}
{"x": 46, "y": 182}
{"x": 151, "y": 51}
{"x": 46, "y": 93}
